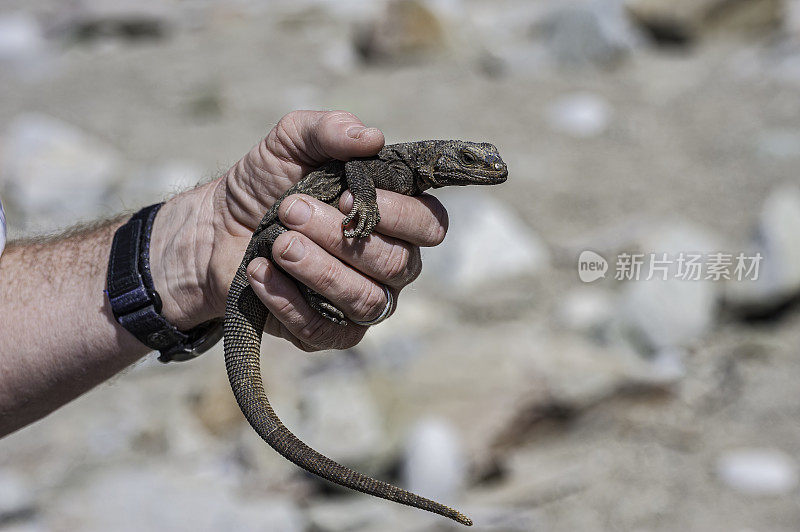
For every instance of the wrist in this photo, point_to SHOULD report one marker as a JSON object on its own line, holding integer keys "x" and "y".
{"x": 180, "y": 252}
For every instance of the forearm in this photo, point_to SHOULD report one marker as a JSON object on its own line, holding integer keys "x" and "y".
{"x": 58, "y": 337}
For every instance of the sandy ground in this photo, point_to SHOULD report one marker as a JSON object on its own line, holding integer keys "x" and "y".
{"x": 684, "y": 143}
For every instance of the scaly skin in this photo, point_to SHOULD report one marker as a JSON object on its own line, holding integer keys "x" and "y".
{"x": 408, "y": 168}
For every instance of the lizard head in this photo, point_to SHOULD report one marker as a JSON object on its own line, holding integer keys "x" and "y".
{"x": 467, "y": 163}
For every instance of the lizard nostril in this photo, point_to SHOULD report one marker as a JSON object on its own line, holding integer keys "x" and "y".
{"x": 498, "y": 166}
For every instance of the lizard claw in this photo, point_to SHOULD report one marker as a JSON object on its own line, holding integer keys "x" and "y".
{"x": 368, "y": 218}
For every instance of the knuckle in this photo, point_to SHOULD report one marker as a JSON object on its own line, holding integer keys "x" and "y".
{"x": 284, "y": 309}
{"x": 332, "y": 238}
{"x": 370, "y": 302}
{"x": 280, "y": 140}
{"x": 314, "y": 331}
{"x": 395, "y": 263}
{"x": 327, "y": 278}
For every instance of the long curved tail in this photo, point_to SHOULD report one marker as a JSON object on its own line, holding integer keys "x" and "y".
{"x": 245, "y": 316}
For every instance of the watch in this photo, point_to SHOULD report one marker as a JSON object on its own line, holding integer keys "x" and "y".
{"x": 135, "y": 302}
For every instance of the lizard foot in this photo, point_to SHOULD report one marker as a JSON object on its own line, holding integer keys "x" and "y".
{"x": 368, "y": 218}
{"x": 323, "y": 306}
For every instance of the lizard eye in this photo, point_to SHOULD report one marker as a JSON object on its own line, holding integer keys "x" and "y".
{"x": 468, "y": 157}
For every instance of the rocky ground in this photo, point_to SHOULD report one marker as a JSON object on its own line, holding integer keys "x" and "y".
{"x": 503, "y": 385}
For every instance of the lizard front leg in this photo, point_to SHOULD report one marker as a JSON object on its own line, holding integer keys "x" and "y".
{"x": 365, "y": 205}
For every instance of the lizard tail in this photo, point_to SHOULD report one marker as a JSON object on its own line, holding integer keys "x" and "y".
{"x": 245, "y": 316}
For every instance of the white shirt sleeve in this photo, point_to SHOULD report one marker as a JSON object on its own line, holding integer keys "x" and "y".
{"x": 2, "y": 228}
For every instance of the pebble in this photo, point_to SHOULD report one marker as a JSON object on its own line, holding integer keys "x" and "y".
{"x": 434, "y": 464}
{"x": 579, "y": 115}
{"x": 779, "y": 269}
{"x": 586, "y": 310}
{"x": 758, "y": 471}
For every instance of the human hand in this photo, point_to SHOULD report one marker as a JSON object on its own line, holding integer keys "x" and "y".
{"x": 347, "y": 272}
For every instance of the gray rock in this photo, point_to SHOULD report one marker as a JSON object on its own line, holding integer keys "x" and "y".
{"x": 486, "y": 243}
{"x": 758, "y": 471}
{"x": 339, "y": 417}
{"x": 579, "y": 115}
{"x": 589, "y": 33}
{"x": 779, "y": 269}
{"x": 53, "y": 173}
{"x": 434, "y": 465}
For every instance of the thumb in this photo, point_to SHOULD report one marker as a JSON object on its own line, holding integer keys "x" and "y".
{"x": 311, "y": 138}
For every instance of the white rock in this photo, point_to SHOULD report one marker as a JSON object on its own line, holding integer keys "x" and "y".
{"x": 666, "y": 366}
{"x": 586, "y": 310}
{"x": 758, "y": 471}
{"x": 339, "y": 58}
{"x": 777, "y": 242}
{"x": 486, "y": 243}
{"x": 434, "y": 464}
{"x": 580, "y": 115}
{"x": 672, "y": 312}
{"x": 23, "y": 48}
{"x": 20, "y": 35}
{"x": 53, "y": 172}
{"x": 669, "y": 313}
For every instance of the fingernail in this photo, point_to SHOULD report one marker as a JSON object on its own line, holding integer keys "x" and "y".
{"x": 354, "y": 131}
{"x": 262, "y": 273}
{"x": 298, "y": 213}
{"x": 294, "y": 251}
{"x": 346, "y": 201}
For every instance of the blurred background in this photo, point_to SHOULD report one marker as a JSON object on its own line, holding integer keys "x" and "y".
{"x": 504, "y": 385}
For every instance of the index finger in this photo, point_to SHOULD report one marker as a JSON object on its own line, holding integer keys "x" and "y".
{"x": 420, "y": 220}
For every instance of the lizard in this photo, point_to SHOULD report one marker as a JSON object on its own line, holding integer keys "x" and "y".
{"x": 407, "y": 168}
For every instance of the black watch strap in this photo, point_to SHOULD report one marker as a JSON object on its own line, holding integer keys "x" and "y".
{"x": 136, "y": 304}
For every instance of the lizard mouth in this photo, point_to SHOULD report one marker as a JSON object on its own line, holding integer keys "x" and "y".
{"x": 487, "y": 177}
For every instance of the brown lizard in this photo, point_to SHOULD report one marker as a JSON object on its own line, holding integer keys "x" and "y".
{"x": 408, "y": 168}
